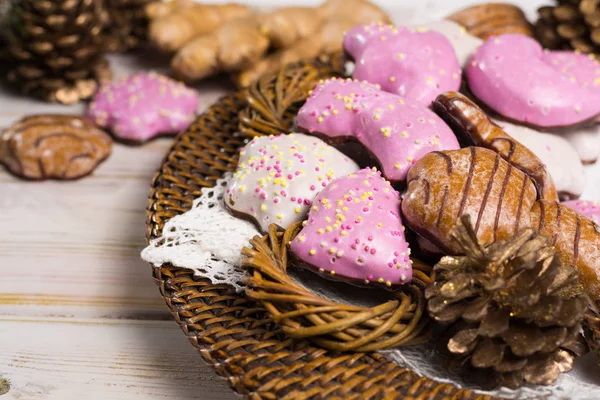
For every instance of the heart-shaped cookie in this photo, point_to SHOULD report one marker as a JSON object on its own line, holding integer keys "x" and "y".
{"x": 464, "y": 44}
{"x": 512, "y": 75}
{"x": 413, "y": 64}
{"x": 354, "y": 232}
{"x": 278, "y": 177}
{"x": 396, "y": 132}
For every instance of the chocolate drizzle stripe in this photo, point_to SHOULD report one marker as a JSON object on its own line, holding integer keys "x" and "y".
{"x": 576, "y": 241}
{"x": 558, "y": 222}
{"x": 78, "y": 156}
{"x": 512, "y": 144}
{"x": 42, "y": 169}
{"x": 463, "y": 200}
{"x": 521, "y": 197}
{"x": 442, "y": 206}
{"x": 502, "y": 192}
{"x": 448, "y": 160}
{"x": 427, "y": 190}
{"x": 39, "y": 140}
{"x": 487, "y": 192}
{"x": 542, "y": 216}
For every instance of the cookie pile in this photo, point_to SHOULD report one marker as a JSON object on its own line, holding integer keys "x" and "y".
{"x": 499, "y": 155}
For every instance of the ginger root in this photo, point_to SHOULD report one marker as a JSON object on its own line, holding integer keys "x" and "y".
{"x": 286, "y": 26}
{"x": 235, "y": 45}
{"x": 340, "y": 16}
{"x": 179, "y": 22}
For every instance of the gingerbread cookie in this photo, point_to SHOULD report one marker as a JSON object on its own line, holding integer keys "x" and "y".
{"x": 395, "y": 131}
{"x": 415, "y": 65}
{"x": 443, "y": 186}
{"x": 475, "y": 127}
{"x": 510, "y": 74}
{"x": 463, "y": 43}
{"x": 557, "y": 154}
{"x": 143, "y": 106}
{"x": 590, "y": 209}
{"x": 278, "y": 177}
{"x": 53, "y": 147}
{"x": 354, "y": 232}
{"x": 577, "y": 241}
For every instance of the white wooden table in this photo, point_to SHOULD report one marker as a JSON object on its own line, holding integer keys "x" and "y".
{"x": 79, "y": 314}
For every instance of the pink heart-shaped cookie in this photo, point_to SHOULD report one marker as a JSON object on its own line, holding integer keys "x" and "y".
{"x": 417, "y": 65}
{"x": 354, "y": 232}
{"x": 513, "y": 76}
{"x": 395, "y": 131}
{"x": 143, "y": 106}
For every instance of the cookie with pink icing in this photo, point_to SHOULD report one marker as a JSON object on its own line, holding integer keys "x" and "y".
{"x": 354, "y": 232}
{"x": 511, "y": 74}
{"x": 395, "y": 131}
{"x": 142, "y": 106}
{"x": 590, "y": 209}
{"x": 581, "y": 68}
{"x": 278, "y": 177}
{"x": 417, "y": 65}
{"x": 560, "y": 158}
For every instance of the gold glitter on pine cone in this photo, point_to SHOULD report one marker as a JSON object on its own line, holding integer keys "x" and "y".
{"x": 570, "y": 24}
{"x": 591, "y": 330}
{"x": 515, "y": 310}
{"x": 54, "y": 48}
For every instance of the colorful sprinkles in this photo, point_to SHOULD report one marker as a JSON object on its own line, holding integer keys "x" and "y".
{"x": 277, "y": 177}
{"x": 354, "y": 231}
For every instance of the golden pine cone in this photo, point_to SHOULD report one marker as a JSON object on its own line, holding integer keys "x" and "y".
{"x": 514, "y": 309}
{"x": 127, "y": 24}
{"x": 571, "y": 24}
{"x": 54, "y": 48}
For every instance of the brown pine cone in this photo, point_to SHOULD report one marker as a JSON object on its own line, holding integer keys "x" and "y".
{"x": 53, "y": 147}
{"x": 54, "y": 48}
{"x": 573, "y": 24}
{"x": 514, "y": 309}
{"x": 127, "y": 24}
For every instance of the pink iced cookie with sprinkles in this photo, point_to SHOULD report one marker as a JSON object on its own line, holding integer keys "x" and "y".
{"x": 581, "y": 68}
{"x": 278, "y": 177}
{"x": 415, "y": 64}
{"x": 511, "y": 74}
{"x": 590, "y": 209}
{"x": 354, "y": 232}
{"x": 395, "y": 131}
{"x": 142, "y": 106}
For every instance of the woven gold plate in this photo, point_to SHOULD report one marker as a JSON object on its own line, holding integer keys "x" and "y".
{"x": 233, "y": 333}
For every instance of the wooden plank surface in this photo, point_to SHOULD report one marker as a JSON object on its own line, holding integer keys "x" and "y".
{"x": 74, "y": 358}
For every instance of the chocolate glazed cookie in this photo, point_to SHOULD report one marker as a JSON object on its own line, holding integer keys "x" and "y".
{"x": 53, "y": 147}
{"x": 500, "y": 196}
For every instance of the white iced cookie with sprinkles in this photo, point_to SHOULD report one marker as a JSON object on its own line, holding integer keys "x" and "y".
{"x": 278, "y": 177}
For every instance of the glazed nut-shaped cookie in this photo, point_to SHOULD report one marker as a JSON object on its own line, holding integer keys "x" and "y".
{"x": 577, "y": 241}
{"x": 53, "y": 147}
{"x": 473, "y": 125}
{"x": 443, "y": 186}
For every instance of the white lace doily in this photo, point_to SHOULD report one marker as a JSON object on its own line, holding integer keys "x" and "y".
{"x": 206, "y": 239}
